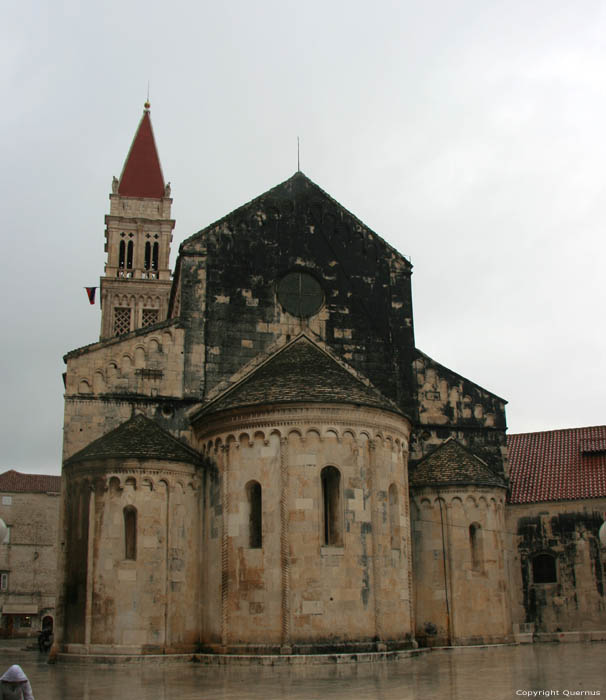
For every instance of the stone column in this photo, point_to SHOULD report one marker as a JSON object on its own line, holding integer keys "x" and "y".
{"x": 167, "y": 568}
{"x": 286, "y": 647}
{"x": 90, "y": 567}
{"x": 376, "y": 545}
{"x": 225, "y": 547}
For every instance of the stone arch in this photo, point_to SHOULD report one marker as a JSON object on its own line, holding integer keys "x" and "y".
{"x": 114, "y": 486}
{"x": 112, "y": 371}
{"x": 84, "y": 387}
{"x": 313, "y": 434}
{"x": 139, "y": 356}
{"x": 154, "y": 345}
{"x": 98, "y": 382}
{"x": 126, "y": 362}
{"x": 331, "y": 433}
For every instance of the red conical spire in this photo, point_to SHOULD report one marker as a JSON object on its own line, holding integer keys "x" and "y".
{"x": 142, "y": 174}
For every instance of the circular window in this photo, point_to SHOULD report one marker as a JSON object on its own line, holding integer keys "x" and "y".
{"x": 300, "y": 294}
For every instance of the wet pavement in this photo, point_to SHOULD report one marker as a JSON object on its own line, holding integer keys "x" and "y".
{"x": 472, "y": 673}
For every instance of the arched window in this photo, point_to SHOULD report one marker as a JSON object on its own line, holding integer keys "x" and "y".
{"x": 255, "y": 514}
{"x": 331, "y": 500}
{"x": 476, "y": 546}
{"x": 122, "y": 255}
{"x": 394, "y": 517}
{"x": 155, "y": 257}
{"x": 130, "y": 533}
{"x": 129, "y": 256}
{"x": 147, "y": 255}
{"x": 544, "y": 569}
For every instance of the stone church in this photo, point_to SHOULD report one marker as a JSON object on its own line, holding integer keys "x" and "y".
{"x": 257, "y": 457}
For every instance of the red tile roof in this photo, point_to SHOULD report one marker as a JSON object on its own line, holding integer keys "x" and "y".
{"x": 558, "y": 465}
{"x": 142, "y": 174}
{"x": 15, "y": 482}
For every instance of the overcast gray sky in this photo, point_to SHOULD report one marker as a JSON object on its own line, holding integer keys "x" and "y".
{"x": 468, "y": 134}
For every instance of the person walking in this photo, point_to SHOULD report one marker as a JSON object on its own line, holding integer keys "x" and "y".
{"x": 14, "y": 685}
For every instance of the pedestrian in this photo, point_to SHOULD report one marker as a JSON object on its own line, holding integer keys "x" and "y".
{"x": 14, "y": 685}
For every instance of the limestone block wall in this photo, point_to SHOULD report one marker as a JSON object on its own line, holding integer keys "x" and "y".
{"x": 29, "y": 558}
{"x": 137, "y": 596}
{"x": 451, "y": 406}
{"x": 460, "y": 565}
{"x": 574, "y": 597}
{"x": 143, "y": 207}
{"x": 105, "y": 381}
{"x": 299, "y": 589}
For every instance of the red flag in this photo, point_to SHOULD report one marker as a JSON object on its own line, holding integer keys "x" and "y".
{"x": 90, "y": 291}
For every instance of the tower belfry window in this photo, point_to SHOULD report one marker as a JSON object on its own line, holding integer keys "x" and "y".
{"x": 147, "y": 255}
{"x": 155, "y": 257}
{"x": 129, "y": 256}
{"x": 122, "y": 255}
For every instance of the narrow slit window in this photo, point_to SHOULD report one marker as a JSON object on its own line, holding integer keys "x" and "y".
{"x": 476, "y": 545}
{"x": 394, "y": 517}
{"x": 147, "y": 255}
{"x": 155, "y": 257}
{"x": 255, "y": 515}
{"x": 129, "y": 256}
{"x": 130, "y": 533}
{"x": 331, "y": 500}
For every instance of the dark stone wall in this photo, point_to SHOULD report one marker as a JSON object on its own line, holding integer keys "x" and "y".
{"x": 229, "y": 272}
{"x": 450, "y": 405}
{"x": 576, "y": 599}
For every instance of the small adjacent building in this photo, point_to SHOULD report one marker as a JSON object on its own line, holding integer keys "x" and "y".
{"x": 557, "y": 505}
{"x": 29, "y": 505}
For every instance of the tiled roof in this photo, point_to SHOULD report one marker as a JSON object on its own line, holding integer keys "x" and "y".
{"x": 452, "y": 464}
{"x": 139, "y": 437}
{"x": 558, "y": 465}
{"x": 300, "y": 372}
{"x": 16, "y": 482}
{"x": 142, "y": 174}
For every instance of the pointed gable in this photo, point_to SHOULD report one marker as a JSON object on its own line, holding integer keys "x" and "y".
{"x": 452, "y": 464}
{"x": 298, "y": 192}
{"x": 139, "y": 437}
{"x": 142, "y": 174}
{"x": 300, "y": 372}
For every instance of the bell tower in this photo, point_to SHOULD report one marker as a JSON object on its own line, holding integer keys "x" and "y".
{"x": 138, "y": 234}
